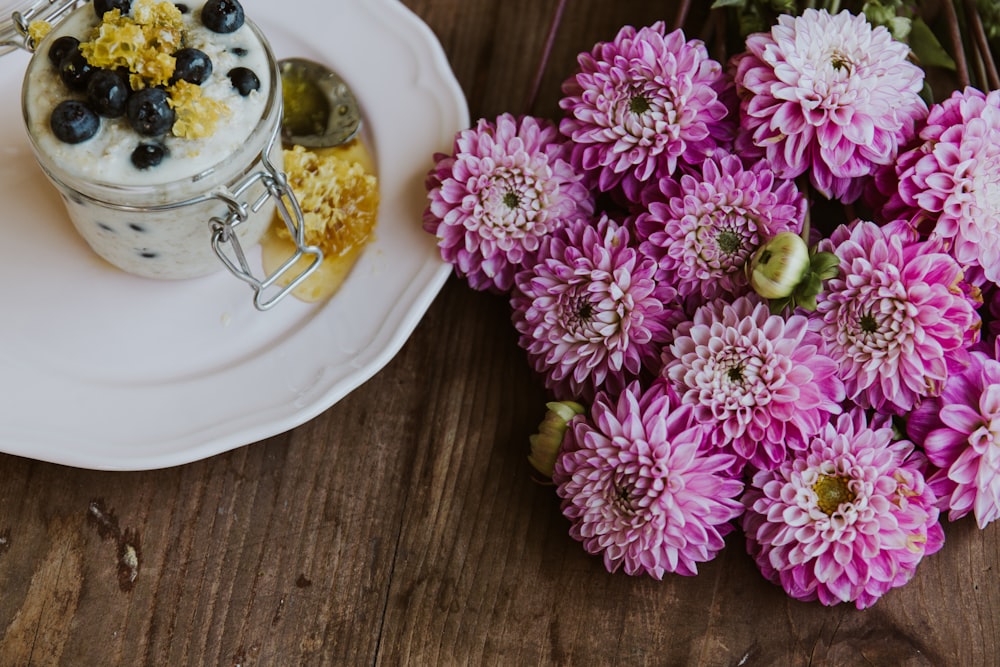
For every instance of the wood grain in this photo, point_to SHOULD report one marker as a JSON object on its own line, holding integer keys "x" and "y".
{"x": 403, "y": 525}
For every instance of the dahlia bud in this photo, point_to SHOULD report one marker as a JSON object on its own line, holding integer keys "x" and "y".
{"x": 546, "y": 443}
{"x": 778, "y": 266}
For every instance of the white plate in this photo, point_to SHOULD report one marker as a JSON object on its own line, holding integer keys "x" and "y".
{"x": 99, "y": 369}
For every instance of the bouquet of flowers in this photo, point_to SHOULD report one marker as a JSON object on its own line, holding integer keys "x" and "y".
{"x": 761, "y": 291}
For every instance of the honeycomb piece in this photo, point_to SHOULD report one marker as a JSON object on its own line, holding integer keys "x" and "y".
{"x": 143, "y": 43}
{"x": 338, "y": 198}
{"x": 197, "y": 114}
{"x": 37, "y": 30}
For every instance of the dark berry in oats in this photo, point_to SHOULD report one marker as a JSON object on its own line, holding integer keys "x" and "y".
{"x": 182, "y": 8}
{"x": 149, "y": 114}
{"x": 222, "y": 15}
{"x": 75, "y": 71}
{"x": 244, "y": 80}
{"x": 62, "y": 47}
{"x": 238, "y": 51}
{"x": 72, "y": 122}
{"x": 107, "y": 93}
{"x": 102, "y": 6}
{"x": 148, "y": 155}
{"x": 193, "y": 66}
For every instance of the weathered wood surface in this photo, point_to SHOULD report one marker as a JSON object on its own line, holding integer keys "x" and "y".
{"x": 402, "y": 526}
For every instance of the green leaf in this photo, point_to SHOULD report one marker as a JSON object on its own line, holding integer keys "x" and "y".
{"x": 809, "y": 303}
{"x": 812, "y": 286}
{"x": 719, "y": 4}
{"x": 825, "y": 264}
{"x": 778, "y": 305}
{"x": 927, "y": 48}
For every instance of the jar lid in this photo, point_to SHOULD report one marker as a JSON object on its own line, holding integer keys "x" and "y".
{"x": 17, "y": 15}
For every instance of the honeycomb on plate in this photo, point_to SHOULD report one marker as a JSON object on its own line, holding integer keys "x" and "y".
{"x": 339, "y": 196}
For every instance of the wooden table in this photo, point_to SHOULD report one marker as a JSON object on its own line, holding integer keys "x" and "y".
{"x": 403, "y": 526}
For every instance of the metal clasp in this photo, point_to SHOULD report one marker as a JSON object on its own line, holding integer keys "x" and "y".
{"x": 16, "y": 35}
{"x": 224, "y": 233}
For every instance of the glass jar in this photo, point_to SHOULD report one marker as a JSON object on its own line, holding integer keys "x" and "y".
{"x": 200, "y": 215}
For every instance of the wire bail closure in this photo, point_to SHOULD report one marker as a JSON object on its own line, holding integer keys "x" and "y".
{"x": 228, "y": 248}
{"x": 15, "y": 36}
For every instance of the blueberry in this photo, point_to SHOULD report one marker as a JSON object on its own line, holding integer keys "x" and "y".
{"x": 193, "y": 66}
{"x": 148, "y": 112}
{"x": 72, "y": 122}
{"x": 244, "y": 80}
{"x": 145, "y": 156}
{"x": 238, "y": 51}
{"x": 107, "y": 93}
{"x": 75, "y": 71}
{"x": 62, "y": 47}
{"x": 222, "y": 15}
{"x": 182, "y": 8}
{"x": 102, "y": 6}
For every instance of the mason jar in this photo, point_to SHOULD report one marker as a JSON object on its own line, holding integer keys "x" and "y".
{"x": 207, "y": 201}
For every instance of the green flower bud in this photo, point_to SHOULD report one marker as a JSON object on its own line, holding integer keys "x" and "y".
{"x": 546, "y": 443}
{"x": 778, "y": 266}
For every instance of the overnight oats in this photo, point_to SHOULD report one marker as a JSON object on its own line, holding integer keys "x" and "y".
{"x": 153, "y": 120}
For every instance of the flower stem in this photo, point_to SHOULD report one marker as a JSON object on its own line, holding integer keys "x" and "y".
{"x": 550, "y": 38}
{"x": 806, "y": 189}
{"x": 992, "y": 78}
{"x": 955, "y": 35}
{"x": 714, "y": 33}
{"x": 682, "y": 12}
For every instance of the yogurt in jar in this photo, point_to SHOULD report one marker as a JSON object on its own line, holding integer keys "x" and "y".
{"x": 142, "y": 189}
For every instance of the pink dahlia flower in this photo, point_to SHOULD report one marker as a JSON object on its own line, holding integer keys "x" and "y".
{"x": 846, "y": 520}
{"x": 643, "y": 102}
{"x": 506, "y": 186}
{"x": 960, "y": 433}
{"x": 953, "y": 178}
{"x": 711, "y": 223}
{"x": 589, "y": 312}
{"x": 895, "y": 320}
{"x": 757, "y": 381}
{"x": 638, "y": 488}
{"x": 830, "y": 96}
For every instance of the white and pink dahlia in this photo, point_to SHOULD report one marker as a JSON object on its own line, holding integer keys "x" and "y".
{"x": 828, "y": 96}
{"x": 639, "y": 489}
{"x": 895, "y": 320}
{"x": 960, "y": 433}
{"x": 507, "y": 185}
{"x": 953, "y": 178}
{"x": 642, "y": 103}
{"x": 589, "y": 311}
{"x": 712, "y": 222}
{"x": 757, "y": 381}
{"x": 846, "y": 520}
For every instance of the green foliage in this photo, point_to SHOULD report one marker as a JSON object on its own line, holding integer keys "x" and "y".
{"x": 927, "y": 48}
{"x": 822, "y": 267}
{"x": 989, "y": 12}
